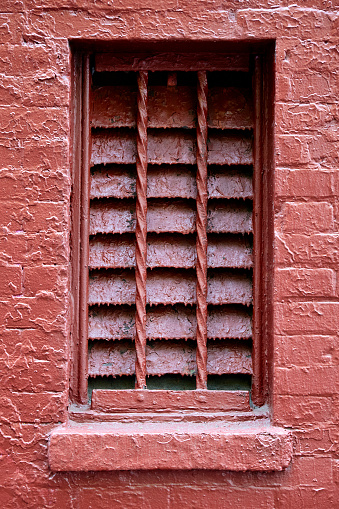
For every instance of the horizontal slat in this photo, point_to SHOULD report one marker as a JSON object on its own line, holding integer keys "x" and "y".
{"x": 230, "y": 184}
{"x": 170, "y": 147}
{"x": 112, "y": 217}
{"x": 109, "y": 62}
{"x": 169, "y": 182}
{"x": 113, "y": 182}
{"x": 172, "y": 107}
{"x": 235, "y": 217}
{"x": 168, "y": 107}
{"x": 170, "y": 216}
{"x": 114, "y": 106}
{"x": 169, "y": 251}
{"x": 177, "y": 322}
{"x": 168, "y": 287}
{"x": 135, "y": 401}
{"x": 168, "y": 357}
{"x": 229, "y": 108}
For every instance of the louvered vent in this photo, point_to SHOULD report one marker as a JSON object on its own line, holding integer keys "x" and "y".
{"x": 197, "y": 129}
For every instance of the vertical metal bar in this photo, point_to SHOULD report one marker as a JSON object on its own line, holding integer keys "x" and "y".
{"x": 84, "y": 232}
{"x": 141, "y": 233}
{"x": 257, "y": 354}
{"x": 201, "y": 225}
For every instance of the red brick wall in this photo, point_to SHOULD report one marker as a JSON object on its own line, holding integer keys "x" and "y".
{"x": 34, "y": 247}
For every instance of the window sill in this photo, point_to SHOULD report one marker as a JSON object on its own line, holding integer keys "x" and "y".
{"x": 219, "y": 445}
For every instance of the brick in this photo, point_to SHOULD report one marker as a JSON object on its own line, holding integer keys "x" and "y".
{"x": 38, "y": 376}
{"x": 32, "y": 59}
{"x": 304, "y": 118}
{"x": 23, "y": 185}
{"x": 35, "y": 155}
{"x": 125, "y": 497}
{"x": 11, "y": 6}
{"x": 44, "y": 310}
{"x": 34, "y": 343}
{"x": 45, "y": 90}
{"x": 304, "y": 498}
{"x": 28, "y": 407}
{"x": 307, "y": 218}
{"x": 312, "y": 471}
{"x": 32, "y": 217}
{"x": 46, "y": 216}
{"x": 307, "y": 86}
{"x": 47, "y": 278}
{"x": 35, "y": 85}
{"x": 292, "y": 151}
{"x": 307, "y": 55}
{"x": 318, "y": 250}
{"x": 312, "y": 380}
{"x": 294, "y": 20}
{"x": 305, "y": 283}
{"x": 10, "y": 281}
{"x": 313, "y": 442}
{"x": 307, "y": 318}
{"x": 213, "y": 497}
{"x": 304, "y": 350}
{"x": 49, "y": 123}
{"x": 22, "y": 248}
{"x": 45, "y": 155}
{"x": 30, "y": 373}
{"x": 11, "y": 27}
{"x": 301, "y": 410}
{"x": 304, "y": 183}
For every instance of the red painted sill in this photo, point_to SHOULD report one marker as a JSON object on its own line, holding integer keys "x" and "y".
{"x": 178, "y": 442}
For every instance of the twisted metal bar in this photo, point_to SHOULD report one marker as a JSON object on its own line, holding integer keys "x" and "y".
{"x": 201, "y": 222}
{"x": 141, "y": 233}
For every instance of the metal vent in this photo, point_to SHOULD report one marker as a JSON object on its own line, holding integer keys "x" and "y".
{"x": 170, "y": 246}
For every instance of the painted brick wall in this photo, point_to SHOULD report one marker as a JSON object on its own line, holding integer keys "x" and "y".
{"x": 34, "y": 252}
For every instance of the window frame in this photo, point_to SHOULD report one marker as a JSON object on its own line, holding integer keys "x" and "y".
{"x": 198, "y": 429}
{"x": 263, "y": 101}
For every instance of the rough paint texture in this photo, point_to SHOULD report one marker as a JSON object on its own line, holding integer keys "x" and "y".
{"x": 35, "y": 79}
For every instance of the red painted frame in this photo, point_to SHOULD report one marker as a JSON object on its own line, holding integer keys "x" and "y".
{"x": 263, "y": 87}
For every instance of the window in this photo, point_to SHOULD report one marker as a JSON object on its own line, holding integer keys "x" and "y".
{"x": 170, "y": 271}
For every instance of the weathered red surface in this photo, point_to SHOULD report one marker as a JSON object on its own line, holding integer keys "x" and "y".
{"x": 170, "y": 251}
{"x": 153, "y": 446}
{"x": 170, "y": 216}
{"x": 169, "y": 287}
{"x": 170, "y": 182}
{"x": 35, "y": 303}
{"x": 167, "y": 357}
{"x": 168, "y": 322}
{"x": 217, "y": 401}
{"x": 170, "y": 147}
{"x": 228, "y": 108}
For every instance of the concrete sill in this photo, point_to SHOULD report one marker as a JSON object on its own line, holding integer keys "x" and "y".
{"x": 255, "y": 446}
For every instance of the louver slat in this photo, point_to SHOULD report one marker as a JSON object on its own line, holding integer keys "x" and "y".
{"x": 170, "y": 251}
{"x": 166, "y": 322}
{"x": 229, "y": 108}
{"x": 169, "y": 147}
{"x": 174, "y": 216}
{"x": 167, "y": 358}
{"x": 169, "y": 182}
{"x": 168, "y": 287}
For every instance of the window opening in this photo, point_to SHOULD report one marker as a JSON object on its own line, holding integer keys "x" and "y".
{"x": 166, "y": 258}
